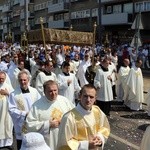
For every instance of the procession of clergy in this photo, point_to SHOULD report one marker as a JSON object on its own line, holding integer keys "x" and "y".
{"x": 65, "y": 94}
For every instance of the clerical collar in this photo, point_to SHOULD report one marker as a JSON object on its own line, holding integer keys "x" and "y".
{"x": 66, "y": 74}
{"x": 19, "y": 68}
{"x": 47, "y": 73}
{"x": 76, "y": 60}
{"x": 82, "y": 109}
{"x": 25, "y": 91}
{"x": 104, "y": 69}
{"x": 124, "y": 66}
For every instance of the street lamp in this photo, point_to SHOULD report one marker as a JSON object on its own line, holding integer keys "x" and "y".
{"x": 106, "y": 42}
{"x": 9, "y": 38}
{"x": 71, "y": 27}
{"x": 24, "y": 41}
{"x": 94, "y": 34}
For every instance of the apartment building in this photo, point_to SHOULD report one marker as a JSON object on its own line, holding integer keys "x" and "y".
{"x": 112, "y": 16}
{"x": 118, "y": 16}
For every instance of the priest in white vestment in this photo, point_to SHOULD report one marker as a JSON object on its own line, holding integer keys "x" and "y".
{"x": 68, "y": 84}
{"x": 102, "y": 82}
{"x": 44, "y": 76}
{"x": 20, "y": 102}
{"x": 145, "y": 144}
{"x": 14, "y": 75}
{"x": 85, "y": 127}
{"x": 122, "y": 75}
{"x": 46, "y": 113}
{"x": 13, "y": 65}
{"x": 82, "y": 69}
{"x": 133, "y": 96}
{"x": 113, "y": 76}
{"x": 6, "y": 124}
{"x": 148, "y": 102}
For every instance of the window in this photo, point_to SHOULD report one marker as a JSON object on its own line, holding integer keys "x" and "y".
{"x": 128, "y": 8}
{"x": 73, "y": 15}
{"x": 147, "y": 6}
{"x": 109, "y": 9}
{"x": 38, "y": 7}
{"x": 50, "y": 2}
{"x": 117, "y": 9}
{"x": 87, "y": 13}
{"x": 94, "y": 12}
{"x": 66, "y": 16}
{"x": 139, "y": 7}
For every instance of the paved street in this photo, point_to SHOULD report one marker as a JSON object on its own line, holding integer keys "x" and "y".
{"x": 127, "y": 127}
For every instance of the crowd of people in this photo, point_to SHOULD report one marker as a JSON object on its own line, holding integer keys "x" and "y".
{"x": 64, "y": 93}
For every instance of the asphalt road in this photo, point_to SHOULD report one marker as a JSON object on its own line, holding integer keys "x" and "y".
{"x": 127, "y": 127}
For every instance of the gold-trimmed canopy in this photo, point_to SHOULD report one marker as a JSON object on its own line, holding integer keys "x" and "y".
{"x": 61, "y": 37}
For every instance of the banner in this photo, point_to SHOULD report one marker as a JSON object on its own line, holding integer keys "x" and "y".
{"x": 61, "y": 37}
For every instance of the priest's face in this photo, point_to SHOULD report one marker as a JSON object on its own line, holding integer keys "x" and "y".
{"x": 51, "y": 92}
{"x": 2, "y": 77}
{"x": 23, "y": 80}
{"x": 88, "y": 97}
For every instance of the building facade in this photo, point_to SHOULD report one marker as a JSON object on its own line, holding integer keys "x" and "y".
{"x": 114, "y": 17}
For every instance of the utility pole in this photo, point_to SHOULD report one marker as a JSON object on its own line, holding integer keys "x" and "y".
{"x": 26, "y": 15}
{"x": 100, "y": 22}
{"x": 133, "y": 13}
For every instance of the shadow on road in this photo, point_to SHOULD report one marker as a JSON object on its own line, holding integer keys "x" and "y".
{"x": 137, "y": 116}
{"x": 143, "y": 127}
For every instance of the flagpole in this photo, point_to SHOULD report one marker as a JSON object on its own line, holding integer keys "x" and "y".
{"x": 43, "y": 36}
{"x": 94, "y": 34}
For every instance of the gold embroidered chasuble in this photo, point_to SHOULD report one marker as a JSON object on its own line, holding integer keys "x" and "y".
{"x": 85, "y": 131}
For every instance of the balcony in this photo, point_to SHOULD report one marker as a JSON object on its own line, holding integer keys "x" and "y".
{"x": 114, "y": 1}
{"x": 103, "y": 1}
{"x": 5, "y": 30}
{"x": 6, "y": 8}
{"x": 22, "y": 28}
{"x": 30, "y": 15}
{"x": 22, "y": 3}
{"x": 115, "y": 19}
{"x": 16, "y": 13}
{"x": 1, "y": 27}
{"x": 16, "y": 2}
{"x": 59, "y": 7}
{"x": 58, "y": 24}
{"x": 1, "y": 8}
{"x": 6, "y": 20}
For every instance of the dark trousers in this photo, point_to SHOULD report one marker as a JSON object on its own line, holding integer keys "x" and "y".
{"x": 19, "y": 142}
{"x": 114, "y": 91}
{"x": 104, "y": 106}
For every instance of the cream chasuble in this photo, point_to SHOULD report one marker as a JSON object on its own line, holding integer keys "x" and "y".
{"x": 133, "y": 96}
{"x": 42, "y": 112}
{"x": 145, "y": 144}
{"x": 122, "y": 75}
{"x": 148, "y": 102}
{"x": 79, "y": 125}
{"x": 19, "y": 105}
{"x": 6, "y": 124}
